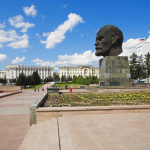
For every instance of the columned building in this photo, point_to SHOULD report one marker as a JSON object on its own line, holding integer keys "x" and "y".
{"x": 13, "y": 71}
{"x": 84, "y": 70}
{"x": 2, "y": 74}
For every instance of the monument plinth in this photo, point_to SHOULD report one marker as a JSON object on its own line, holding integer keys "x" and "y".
{"x": 52, "y": 88}
{"x": 114, "y": 71}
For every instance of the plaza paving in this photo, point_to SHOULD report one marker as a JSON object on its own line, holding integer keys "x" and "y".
{"x": 14, "y": 117}
{"x": 121, "y": 131}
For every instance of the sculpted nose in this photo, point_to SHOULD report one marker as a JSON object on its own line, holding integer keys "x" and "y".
{"x": 96, "y": 43}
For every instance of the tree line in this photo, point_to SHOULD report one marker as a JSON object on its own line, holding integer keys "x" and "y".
{"x": 80, "y": 79}
{"x": 31, "y": 80}
{"x": 139, "y": 66}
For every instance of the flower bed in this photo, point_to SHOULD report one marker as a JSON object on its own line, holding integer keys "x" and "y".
{"x": 68, "y": 100}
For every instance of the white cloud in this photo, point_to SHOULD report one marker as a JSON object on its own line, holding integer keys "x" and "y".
{"x": 18, "y": 60}
{"x": 87, "y": 58}
{"x": 148, "y": 39}
{"x": 17, "y": 21}
{"x": 129, "y": 47}
{"x": 2, "y": 57}
{"x": 30, "y": 11}
{"x": 1, "y": 45}
{"x": 7, "y": 36}
{"x": 59, "y": 34}
{"x": 2, "y": 25}
{"x": 22, "y": 42}
{"x": 16, "y": 41}
{"x": 24, "y": 51}
{"x": 46, "y": 34}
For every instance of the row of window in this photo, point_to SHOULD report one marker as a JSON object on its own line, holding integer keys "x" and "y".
{"x": 74, "y": 69}
{"x": 75, "y": 73}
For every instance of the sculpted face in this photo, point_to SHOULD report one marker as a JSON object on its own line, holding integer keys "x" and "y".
{"x": 103, "y": 43}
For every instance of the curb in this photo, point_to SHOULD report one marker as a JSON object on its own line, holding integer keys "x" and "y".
{"x": 10, "y": 94}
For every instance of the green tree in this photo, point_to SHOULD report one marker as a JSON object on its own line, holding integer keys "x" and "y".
{"x": 133, "y": 64}
{"x": 137, "y": 67}
{"x": 50, "y": 79}
{"x": 147, "y": 65}
{"x": 63, "y": 78}
{"x": 3, "y": 80}
{"x": 141, "y": 73}
{"x": 21, "y": 81}
{"x": 69, "y": 78}
{"x": 74, "y": 79}
{"x": 36, "y": 77}
{"x": 94, "y": 80}
{"x": 85, "y": 81}
{"x": 30, "y": 80}
{"x": 57, "y": 77}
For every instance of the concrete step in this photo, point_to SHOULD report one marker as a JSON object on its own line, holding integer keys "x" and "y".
{"x": 42, "y": 136}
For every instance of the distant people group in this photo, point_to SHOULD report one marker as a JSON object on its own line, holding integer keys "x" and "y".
{"x": 38, "y": 89}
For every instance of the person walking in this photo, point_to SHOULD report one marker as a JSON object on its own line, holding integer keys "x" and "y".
{"x": 34, "y": 89}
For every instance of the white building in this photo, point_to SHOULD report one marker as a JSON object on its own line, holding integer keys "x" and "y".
{"x": 142, "y": 48}
{"x": 2, "y": 74}
{"x": 84, "y": 70}
{"x": 13, "y": 71}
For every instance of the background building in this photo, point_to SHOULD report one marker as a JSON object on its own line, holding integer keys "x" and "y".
{"x": 13, "y": 71}
{"x": 142, "y": 48}
{"x": 2, "y": 74}
{"x": 83, "y": 70}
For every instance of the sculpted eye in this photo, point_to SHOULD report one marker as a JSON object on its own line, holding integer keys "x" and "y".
{"x": 100, "y": 38}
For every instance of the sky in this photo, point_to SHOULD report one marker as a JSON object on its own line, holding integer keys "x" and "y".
{"x": 63, "y": 32}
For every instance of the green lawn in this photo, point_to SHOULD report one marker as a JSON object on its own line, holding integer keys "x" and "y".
{"x": 36, "y": 86}
{"x": 62, "y": 84}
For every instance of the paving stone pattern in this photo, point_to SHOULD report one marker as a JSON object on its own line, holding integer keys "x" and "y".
{"x": 124, "y": 131}
{"x": 14, "y": 118}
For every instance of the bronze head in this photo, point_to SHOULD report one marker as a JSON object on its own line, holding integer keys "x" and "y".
{"x": 109, "y": 41}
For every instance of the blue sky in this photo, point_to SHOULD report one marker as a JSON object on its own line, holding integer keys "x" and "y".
{"x": 63, "y": 32}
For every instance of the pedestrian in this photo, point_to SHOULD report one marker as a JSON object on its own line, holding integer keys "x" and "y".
{"x": 66, "y": 86}
{"x": 38, "y": 89}
{"x": 34, "y": 89}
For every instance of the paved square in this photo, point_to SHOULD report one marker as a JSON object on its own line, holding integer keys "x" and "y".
{"x": 124, "y": 131}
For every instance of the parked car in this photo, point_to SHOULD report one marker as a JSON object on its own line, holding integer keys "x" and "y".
{"x": 1, "y": 84}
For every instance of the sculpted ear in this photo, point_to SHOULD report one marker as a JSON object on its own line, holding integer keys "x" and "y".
{"x": 115, "y": 39}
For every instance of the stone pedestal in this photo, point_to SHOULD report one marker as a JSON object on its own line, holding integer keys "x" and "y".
{"x": 114, "y": 71}
{"x": 52, "y": 90}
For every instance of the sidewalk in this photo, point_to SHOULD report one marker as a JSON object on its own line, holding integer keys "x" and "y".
{"x": 14, "y": 118}
{"x": 122, "y": 131}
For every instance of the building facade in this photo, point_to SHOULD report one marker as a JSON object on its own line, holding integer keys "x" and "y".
{"x": 142, "y": 48}
{"x": 78, "y": 70}
{"x": 13, "y": 71}
{"x": 2, "y": 74}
